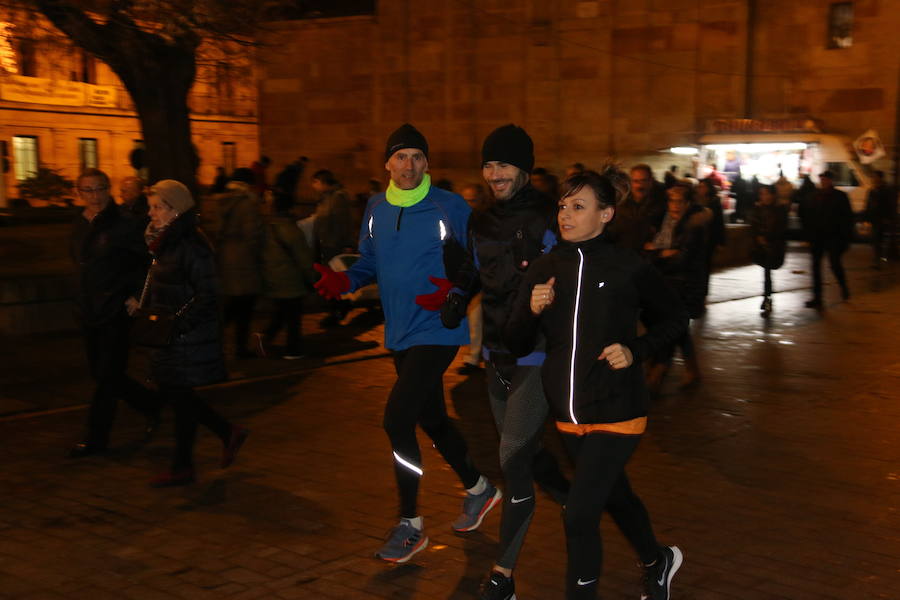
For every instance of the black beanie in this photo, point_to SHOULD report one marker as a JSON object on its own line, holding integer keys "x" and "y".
{"x": 406, "y": 136}
{"x": 509, "y": 144}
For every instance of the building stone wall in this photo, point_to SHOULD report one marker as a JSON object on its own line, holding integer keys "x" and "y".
{"x": 589, "y": 79}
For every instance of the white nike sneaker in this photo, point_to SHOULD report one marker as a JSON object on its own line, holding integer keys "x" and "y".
{"x": 658, "y": 577}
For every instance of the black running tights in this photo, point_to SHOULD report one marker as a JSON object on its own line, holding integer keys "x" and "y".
{"x": 418, "y": 398}
{"x": 600, "y": 484}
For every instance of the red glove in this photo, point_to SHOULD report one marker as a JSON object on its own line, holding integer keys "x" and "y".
{"x": 435, "y": 300}
{"x": 332, "y": 283}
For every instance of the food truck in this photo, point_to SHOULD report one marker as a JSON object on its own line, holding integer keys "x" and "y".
{"x": 766, "y": 148}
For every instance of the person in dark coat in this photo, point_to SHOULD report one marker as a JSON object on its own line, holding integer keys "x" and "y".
{"x": 640, "y": 213}
{"x": 828, "y": 224}
{"x": 679, "y": 252}
{"x": 881, "y": 212}
{"x": 134, "y": 201}
{"x": 707, "y": 194}
{"x": 219, "y": 182}
{"x": 238, "y": 254}
{"x": 288, "y": 277}
{"x": 768, "y": 227}
{"x": 333, "y": 232}
{"x": 286, "y": 181}
{"x": 110, "y": 258}
{"x": 585, "y": 297}
{"x": 182, "y": 281}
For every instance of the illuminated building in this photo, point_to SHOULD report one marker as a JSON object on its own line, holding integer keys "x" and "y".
{"x": 63, "y": 109}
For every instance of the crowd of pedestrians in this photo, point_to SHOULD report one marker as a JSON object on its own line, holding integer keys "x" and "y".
{"x": 574, "y": 295}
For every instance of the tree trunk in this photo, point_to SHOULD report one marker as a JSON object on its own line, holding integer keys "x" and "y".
{"x": 158, "y": 72}
{"x": 162, "y": 107}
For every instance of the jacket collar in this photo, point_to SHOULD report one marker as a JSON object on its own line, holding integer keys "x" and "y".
{"x": 526, "y": 198}
{"x": 591, "y": 245}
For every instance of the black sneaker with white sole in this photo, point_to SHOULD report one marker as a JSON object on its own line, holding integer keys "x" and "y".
{"x": 498, "y": 587}
{"x": 658, "y": 576}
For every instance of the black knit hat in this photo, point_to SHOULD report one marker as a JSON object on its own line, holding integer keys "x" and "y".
{"x": 509, "y": 144}
{"x": 406, "y": 136}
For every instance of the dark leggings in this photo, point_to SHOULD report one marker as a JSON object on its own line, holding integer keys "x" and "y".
{"x": 835, "y": 254}
{"x": 190, "y": 411}
{"x": 418, "y": 398}
{"x": 240, "y": 310}
{"x": 600, "y": 484}
{"x": 685, "y": 342}
{"x": 767, "y": 282}
{"x": 107, "y": 353}
{"x": 287, "y": 314}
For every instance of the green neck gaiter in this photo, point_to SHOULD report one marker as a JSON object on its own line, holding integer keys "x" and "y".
{"x": 404, "y": 198}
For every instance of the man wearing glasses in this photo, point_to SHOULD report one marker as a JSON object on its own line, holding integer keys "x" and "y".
{"x": 110, "y": 257}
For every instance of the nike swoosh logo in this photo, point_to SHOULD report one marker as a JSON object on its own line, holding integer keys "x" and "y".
{"x": 601, "y": 284}
{"x": 515, "y": 500}
{"x": 589, "y": 581}
{"x": 663, "y": 576}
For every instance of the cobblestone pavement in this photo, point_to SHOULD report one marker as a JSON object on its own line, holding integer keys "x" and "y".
{"x": 779, "y": 476}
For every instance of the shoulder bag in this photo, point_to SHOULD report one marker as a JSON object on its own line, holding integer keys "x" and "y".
{"x": 154, "y": 328}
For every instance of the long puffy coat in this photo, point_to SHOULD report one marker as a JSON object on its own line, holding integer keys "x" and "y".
{"x": 184, "y": 274}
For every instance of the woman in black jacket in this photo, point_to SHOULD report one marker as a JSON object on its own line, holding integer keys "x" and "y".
{"x": 585, "y": 297}
{"x": 182, "y": 281}
{"x": 679, "y": 252}
{"x": 768, "y": 227}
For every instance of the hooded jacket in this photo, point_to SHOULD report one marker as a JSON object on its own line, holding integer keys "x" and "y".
{"x": 601, "y": 291}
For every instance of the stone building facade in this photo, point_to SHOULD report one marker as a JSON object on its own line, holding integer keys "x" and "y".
{"x": 589, "y": 79}
{"x": 61, "y": 108}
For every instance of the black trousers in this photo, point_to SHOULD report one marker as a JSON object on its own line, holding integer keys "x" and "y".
{"x": 767, "y": 282}
{"x": 417, "y": 398}
{"x": 239, "y": 309}
{"x": 600, "y": 484}
{"x": 835, "y": 255}
{"x": 287, "y": 314}
{"x": 191, "y": 411}
{"x": 106, "y": 348}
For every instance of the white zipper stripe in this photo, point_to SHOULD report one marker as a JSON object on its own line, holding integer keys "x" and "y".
{"x": 575, "y": 339}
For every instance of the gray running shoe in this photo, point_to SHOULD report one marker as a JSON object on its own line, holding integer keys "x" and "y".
{"x": 475, "y": 507}
{"x": 402, "y": 543}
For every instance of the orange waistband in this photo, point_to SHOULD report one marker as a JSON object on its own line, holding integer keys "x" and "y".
{"x": 632, "y": 427}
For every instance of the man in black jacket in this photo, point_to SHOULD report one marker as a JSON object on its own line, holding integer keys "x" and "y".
{"x": 515, "y": 227}
{"x": 828, "y": 222}
{"x": 640, "y": 214}
{"x": 110, "y": 257}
